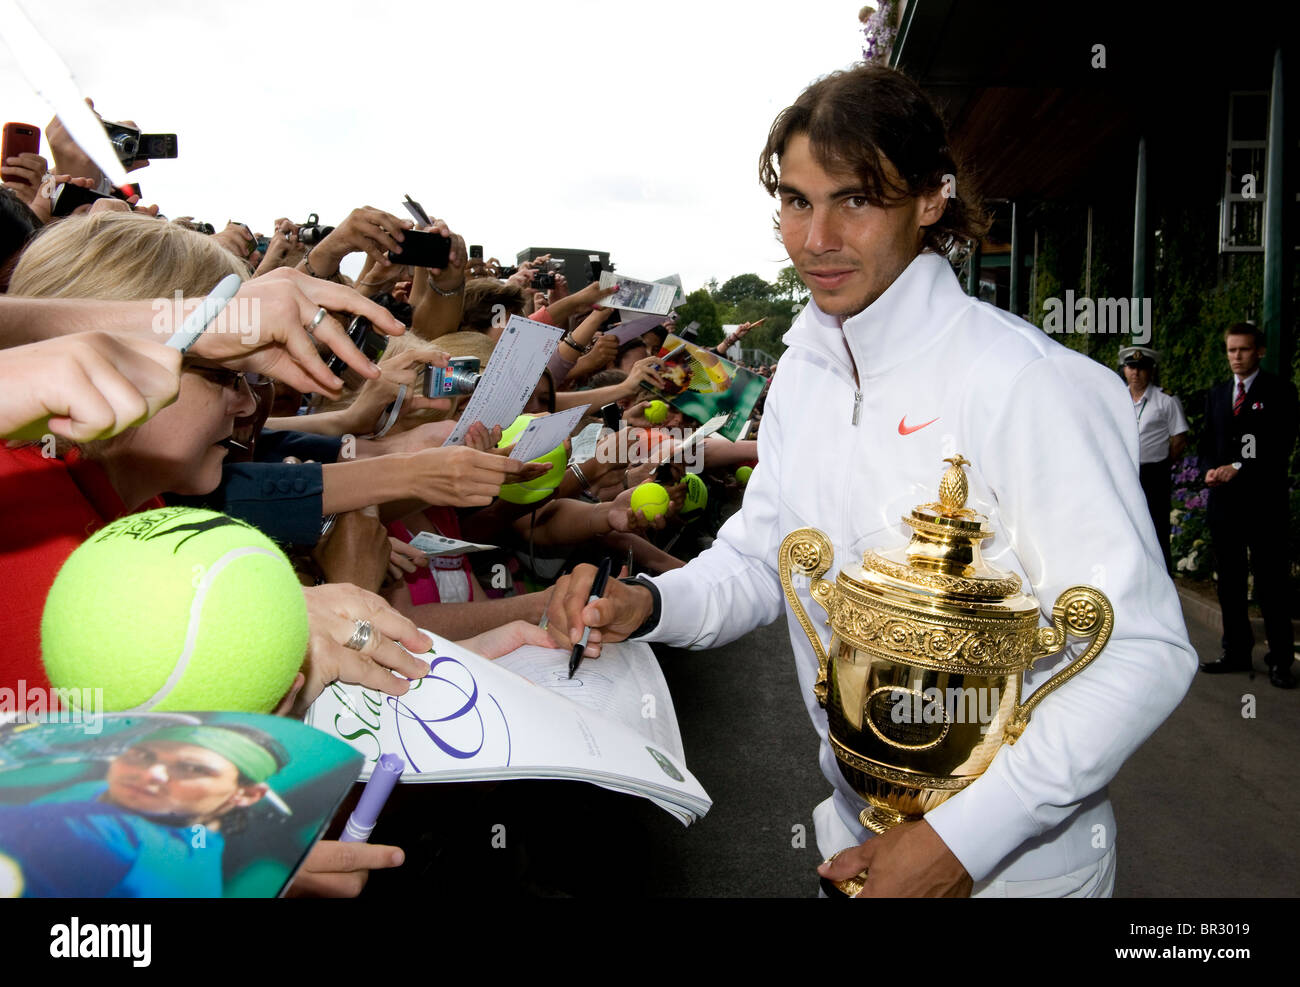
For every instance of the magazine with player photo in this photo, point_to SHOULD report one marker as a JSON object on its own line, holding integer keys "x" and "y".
{"x": 703, "y": 385}
{"x": 165, "y": 805}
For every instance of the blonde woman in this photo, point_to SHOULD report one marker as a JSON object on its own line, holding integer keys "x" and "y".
{"x": 49, "y": 505}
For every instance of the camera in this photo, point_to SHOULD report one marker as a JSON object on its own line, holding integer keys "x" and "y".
{"x": 371, "y": 344}
{"x": 593, "y": 260}
{"x": 401, "y": 311}
{"x": 460, "y": 376}
{"x": 544, "y": 280}
{"x": 311, "y": 232}
{"x": 476, "y": 251}
{"x": 66, "y": 197}
{"x": 131, "y": 145}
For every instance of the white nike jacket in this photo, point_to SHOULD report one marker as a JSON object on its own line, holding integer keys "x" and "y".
{"x": 1053, "y": 446}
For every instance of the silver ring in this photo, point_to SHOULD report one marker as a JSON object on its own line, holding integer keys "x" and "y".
{"x": 317, "y": 319}
{"x": 361, "y": 636}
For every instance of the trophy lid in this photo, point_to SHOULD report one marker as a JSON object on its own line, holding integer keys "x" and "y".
{"x": 943, "y": 557}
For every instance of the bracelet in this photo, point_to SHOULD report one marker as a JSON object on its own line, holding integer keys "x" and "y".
{"x": 444, "y": 294}
{"x": 576, "y": 470}
{"x": 569, "y": 340}
{"x": 306, "y": 263}
{"x": 390, "y": 419}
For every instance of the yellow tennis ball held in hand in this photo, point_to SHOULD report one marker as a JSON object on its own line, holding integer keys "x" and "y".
{"x": 176, "y": 609}
{"x": 651, "y": 499}
{"x": 697, "y": 494}
{"x": 543, "y": 486}
{"x": 656, "y": 411}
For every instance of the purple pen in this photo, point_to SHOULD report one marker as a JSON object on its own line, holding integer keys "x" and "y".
{"x": 362, "y": 821}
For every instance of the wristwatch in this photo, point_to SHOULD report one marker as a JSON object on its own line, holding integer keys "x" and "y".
{"x": 656, "y": 611}
{"x": 568, "y": 339}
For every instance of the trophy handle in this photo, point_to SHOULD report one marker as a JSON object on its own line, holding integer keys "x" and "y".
{"x": 1080, "y": 611}
{"x": 808, "y": 552}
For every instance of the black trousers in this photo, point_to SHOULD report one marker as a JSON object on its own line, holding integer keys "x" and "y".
{"x": 1254, "y": 532}
{"x": 1158, "y": 487}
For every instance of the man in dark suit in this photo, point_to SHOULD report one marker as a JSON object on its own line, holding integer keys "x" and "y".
{"x": 1250, "y": 430}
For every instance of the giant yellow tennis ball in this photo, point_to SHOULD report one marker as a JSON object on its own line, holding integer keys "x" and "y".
{"x": 544, "y": 485}
{"x": 651, "y": 498}
{"x": 176, "y": 609}
{"x": 656, "y": 411}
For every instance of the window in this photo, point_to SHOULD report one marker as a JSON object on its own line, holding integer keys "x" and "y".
{"x": 1241, "y": 212}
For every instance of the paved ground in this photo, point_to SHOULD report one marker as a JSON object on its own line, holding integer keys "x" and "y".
{"x": 1207, "y": 807}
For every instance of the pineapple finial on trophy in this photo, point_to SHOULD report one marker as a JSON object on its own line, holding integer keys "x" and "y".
{"x": 953, "y": 488}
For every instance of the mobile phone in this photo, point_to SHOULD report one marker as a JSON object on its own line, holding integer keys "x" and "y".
{"x": 417, "y": 212}
{"x": 68, "y": 197}
{"x": 124, "y": 192}
{"x": 476, "y": 251}
{"x": 612, "y": 415}
{"x": 422, "y": 250}
{"x": 20, "y": 138}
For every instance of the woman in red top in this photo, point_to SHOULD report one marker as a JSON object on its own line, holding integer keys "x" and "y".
{"x": 49, "y": 503}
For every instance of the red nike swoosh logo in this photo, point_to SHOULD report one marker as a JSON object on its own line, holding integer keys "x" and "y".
{"x": 904, "y": 430}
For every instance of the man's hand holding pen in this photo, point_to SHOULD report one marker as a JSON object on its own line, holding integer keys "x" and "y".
{"x": 619, "y": 611}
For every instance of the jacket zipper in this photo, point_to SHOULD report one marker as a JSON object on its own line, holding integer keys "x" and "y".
{"x": 857, "y": 406}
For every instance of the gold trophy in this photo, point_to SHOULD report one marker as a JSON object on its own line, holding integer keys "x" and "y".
{"x": 929, "y": 645}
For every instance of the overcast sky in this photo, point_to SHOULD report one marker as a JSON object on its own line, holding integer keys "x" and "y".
{"x": 633, "y": 128}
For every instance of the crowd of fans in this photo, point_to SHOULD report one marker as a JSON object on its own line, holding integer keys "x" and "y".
{"x": 282, "y": 421}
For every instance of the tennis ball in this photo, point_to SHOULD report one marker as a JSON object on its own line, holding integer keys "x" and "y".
{"x": 651, "y": 498}
{"x": 656, "y": 411}
{"x": 176, "y": 609}
{"x": 743, "y": 474}
{"x": 697, "y": 494}
{"x": 544, "y": 485}
{"x": 515, "y": 429}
